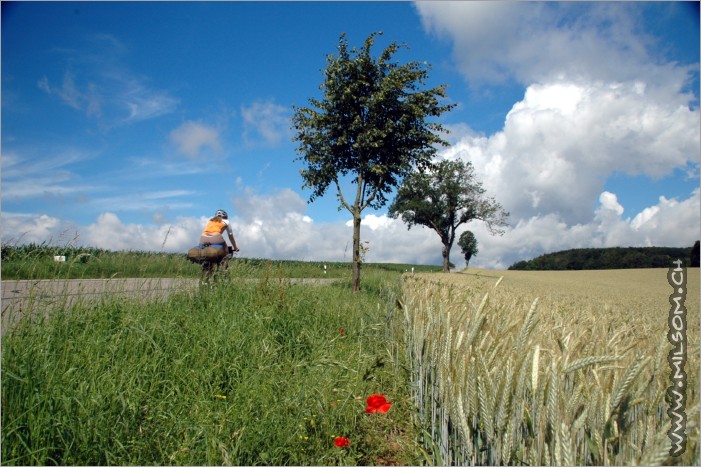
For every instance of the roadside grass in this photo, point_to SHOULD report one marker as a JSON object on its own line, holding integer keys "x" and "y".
{"x": 33, "y": 262}
{"x": 37, "y": 262}
{"x": 250, "y": 374}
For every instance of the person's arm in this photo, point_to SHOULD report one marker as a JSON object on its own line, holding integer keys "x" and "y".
{"x": 233, "y": 242}
{"x": 231, "y": 237}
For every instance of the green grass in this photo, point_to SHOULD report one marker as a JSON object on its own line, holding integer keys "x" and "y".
{"x": 37, "y": 262}
{"x": 247, "y": 374}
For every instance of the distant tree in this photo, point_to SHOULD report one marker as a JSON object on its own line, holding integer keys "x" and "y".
{"x": 443, "y": 199}
{"x": 694, "y": 263}
{"x": 520, "y": 265}
{"x": 605, "y": 258}
{"x": 371, "y": 126}
{"x": 468, "y": 245}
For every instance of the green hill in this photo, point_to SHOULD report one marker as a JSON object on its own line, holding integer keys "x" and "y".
{"x": 607, "y": 258}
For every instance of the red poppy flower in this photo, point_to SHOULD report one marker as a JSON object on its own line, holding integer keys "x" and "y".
{"x": 343, "y": 331}
{"x": 341, "y": 442}
{"x": 377, "y": 403}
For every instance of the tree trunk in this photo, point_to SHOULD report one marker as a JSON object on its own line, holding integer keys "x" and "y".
{"x": 446, "y": 258}
{"x": 356, "y": 252}
{"x": 447, "y": 238}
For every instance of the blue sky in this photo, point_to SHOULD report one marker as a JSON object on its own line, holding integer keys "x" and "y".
{"x": 126, "y": 124}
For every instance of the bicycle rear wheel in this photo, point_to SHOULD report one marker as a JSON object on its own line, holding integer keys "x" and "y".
{"x": 206, "y": 274}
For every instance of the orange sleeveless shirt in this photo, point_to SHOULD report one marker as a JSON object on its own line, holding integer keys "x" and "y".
{"x": 214, "y": 228}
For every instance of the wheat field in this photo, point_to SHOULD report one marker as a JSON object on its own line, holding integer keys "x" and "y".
{"x": 548, "y": 368}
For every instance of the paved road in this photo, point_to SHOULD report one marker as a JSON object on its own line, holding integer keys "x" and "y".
{"x": 24, "y": 298}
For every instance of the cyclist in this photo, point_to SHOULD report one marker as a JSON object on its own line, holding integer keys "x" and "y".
{"x": 213, "y": 236}
{"x": 214, "y": 230}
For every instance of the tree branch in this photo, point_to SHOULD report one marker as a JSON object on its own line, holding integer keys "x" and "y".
{"x": 369, "y": 200}
{"x": 340, "y": 195}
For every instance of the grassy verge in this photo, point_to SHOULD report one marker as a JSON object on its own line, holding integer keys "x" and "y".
{"x": 258, "y": 374}
{"x": 37, "y": 262}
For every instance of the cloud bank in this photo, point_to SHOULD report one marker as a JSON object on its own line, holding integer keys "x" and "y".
{"x": 528, "y": 42}
{"x": 562, "y": 141}
{"x": 277, "y": 226}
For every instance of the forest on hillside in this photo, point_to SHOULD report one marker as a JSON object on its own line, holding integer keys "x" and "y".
{"x": 610, "y": 258}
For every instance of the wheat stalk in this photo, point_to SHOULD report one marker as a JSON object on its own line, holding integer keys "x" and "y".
{"x": 534, "y": 369}
{"x": 628, "y": 378}
{"x": 469, "y": 351}
{"x": 498, "y": 282}
{"x": 505, "y": 395}
{"x": 565, "y": 444}
{"x": 528, "y": 326}
{"x": 508, "y": 440}
{"x": 588, "y": 361}
{"x": 553, "y": 394}
{"x": 573, "y": 401}
{"x": 485, "y": 418}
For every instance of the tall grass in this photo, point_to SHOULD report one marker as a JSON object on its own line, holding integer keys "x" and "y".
{"x": 501, "y": 379}
{"x": 245, "y": 374}
{"x": 37, "y": 262}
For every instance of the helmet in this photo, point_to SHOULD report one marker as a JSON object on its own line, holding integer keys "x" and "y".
{"x": 221, "y": 213}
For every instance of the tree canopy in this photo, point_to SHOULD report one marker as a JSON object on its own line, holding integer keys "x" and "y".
{"x": 605, "y": 258}
{"x": 694, "y": 261}
{"x": 443, "y": 199}
{"x": 468, "y": 245}
{"x": 371, "y": 126}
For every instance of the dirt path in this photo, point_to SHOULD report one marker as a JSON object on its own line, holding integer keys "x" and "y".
{"x": 24, "y": 298}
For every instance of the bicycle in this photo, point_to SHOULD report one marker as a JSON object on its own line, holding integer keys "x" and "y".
{"x": 212, "y": 272}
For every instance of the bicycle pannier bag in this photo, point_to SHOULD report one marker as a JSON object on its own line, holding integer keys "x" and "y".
{"x": 210, "y": 254}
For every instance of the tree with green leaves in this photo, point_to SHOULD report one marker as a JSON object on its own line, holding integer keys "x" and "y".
{"x": 468, "y": 245}
{"x": 443, "y": 199}
{"x": 370, "y": 128}
{"x": 694, "y": 262}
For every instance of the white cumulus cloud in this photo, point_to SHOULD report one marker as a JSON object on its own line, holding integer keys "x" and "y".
{"x": 609, "y": 202}
{"x": 265, "y": 122}
{"x": 109, "y": 232}
{"x": 562, "y": 141}
{"x": 539, "y": 41}
{"x": 192, "y": 138}
{"x": 23, "y": 228}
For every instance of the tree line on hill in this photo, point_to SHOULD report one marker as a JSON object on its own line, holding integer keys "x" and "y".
{"x": 610, "y": 258}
